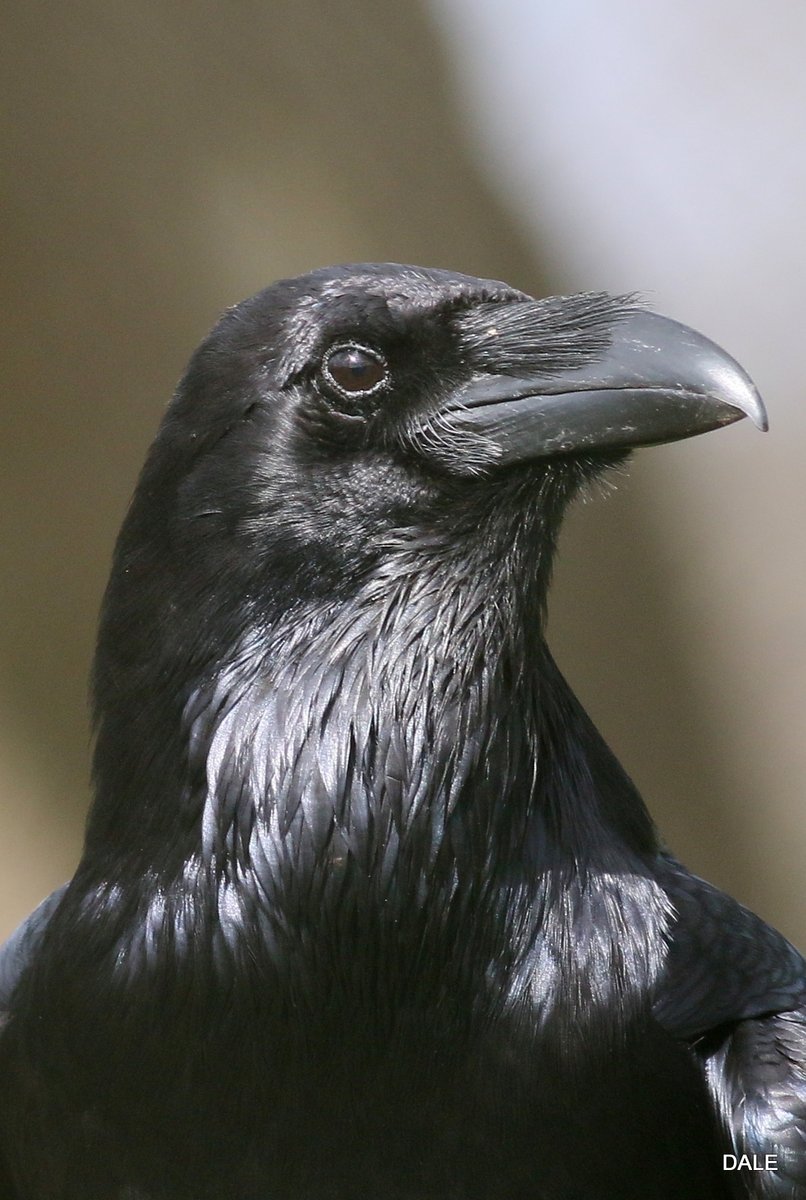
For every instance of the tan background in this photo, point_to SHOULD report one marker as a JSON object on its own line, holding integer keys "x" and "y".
{"x": 165, "y": 160}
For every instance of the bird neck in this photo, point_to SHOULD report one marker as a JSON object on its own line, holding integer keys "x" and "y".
{"x": 421, "y": 725}
{"x": 406, "y": 778}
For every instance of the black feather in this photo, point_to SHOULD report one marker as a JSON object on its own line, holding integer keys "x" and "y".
{"x": 366, "y": 906}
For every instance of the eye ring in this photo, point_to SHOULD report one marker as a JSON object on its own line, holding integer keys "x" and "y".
{"x": 362, "y": 371}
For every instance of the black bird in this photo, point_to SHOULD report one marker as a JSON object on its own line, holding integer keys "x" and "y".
{"x": 367, "y": 909}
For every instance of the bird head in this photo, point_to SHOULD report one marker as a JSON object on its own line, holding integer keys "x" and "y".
{"x": 330, "y": 412}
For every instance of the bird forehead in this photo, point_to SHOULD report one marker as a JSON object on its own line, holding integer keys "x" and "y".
{"x": 406, "y": 286}
{"x": 374, "y": 302}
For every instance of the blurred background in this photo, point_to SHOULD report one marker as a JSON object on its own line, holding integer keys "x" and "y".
{"x": 164, "y": 160}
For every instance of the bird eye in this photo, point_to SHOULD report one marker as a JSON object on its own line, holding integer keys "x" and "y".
{"x": 355, "y": 370}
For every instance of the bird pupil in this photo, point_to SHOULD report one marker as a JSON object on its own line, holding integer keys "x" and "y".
{"x": 355, "y": 370}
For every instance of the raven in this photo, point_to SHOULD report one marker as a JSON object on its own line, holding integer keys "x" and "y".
{"x": 367, "y": 909}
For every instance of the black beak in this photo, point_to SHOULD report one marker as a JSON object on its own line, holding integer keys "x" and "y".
{"x": 659, "y": 381}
